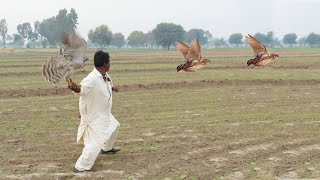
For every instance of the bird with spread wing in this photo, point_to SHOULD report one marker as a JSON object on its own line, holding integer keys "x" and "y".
{"x": 192, "y": 55}
{"x": 261, "y": 56}
{"x": 74, "y": 53}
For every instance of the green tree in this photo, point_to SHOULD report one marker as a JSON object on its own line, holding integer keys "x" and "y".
{"x": 262, "y": 38}
{"x": 66, "y": 21}
{"x": 3, "y": 31}
{"x": 136, "y": 39}
{"x": 53, "y": 28}
{"x": 27, "y": 32}
{"x": 313, "y": 39}
{"x": 91, "y": 36}
{"x": 9, "y": 39}
{"x": 44, "y": 43}
{"x": 24, "y": 30}
{"x": 118, "y": 40}
{"x": 18, "y": 40}
{"x": 72, "y": 18}
{"x": 290, "y": 39}
{"x": 200, "y": 34}
{"x": 236, "y": 39}
{"x": 149, "y": 40}
{"x": 276, "y": 43}
{"x": 166, "y": 34}
{"x": 34, "y": 35}
{"x": 102, "y": 36}
{"x": 47, "y": 29}
{"x": 220, "y": 42}
{"x": 302, "y": 42}
{"x": 266, "y": 39}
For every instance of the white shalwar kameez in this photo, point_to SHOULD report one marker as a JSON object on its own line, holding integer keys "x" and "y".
{"x": 98, "y": 127}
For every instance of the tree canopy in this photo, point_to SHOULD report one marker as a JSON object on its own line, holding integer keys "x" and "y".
{"x": 313, "y": 39}
{"x": 101, "y": 36}
{"x": 53, "y": 28}
{"x": 3, "y": 31}
{"x": 220, "y": 42}
{"x": 166, "y": 34}
{"x": 200, "y": 34}
{"x": 118, "y": 40}
{"x": 290, "y": 39}
{"x": 136, "y": 39}
{"x": 236, "y": 39}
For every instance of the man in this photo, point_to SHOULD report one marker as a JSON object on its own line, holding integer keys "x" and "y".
{"x": 61, "y": 51}
{"x": 98, "y": 127}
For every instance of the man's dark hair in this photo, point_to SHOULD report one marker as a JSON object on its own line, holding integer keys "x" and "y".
{"x": 100, "y": 58}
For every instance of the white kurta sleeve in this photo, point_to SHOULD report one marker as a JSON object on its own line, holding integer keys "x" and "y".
{"x": 84, "y": 90}
{"x": 86, "y": 85}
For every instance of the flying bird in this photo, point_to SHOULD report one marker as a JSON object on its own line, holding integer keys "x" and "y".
{"x": 74, "y": 53}
{"x": 261, "y": 56}
{"x": 192, "y": 56}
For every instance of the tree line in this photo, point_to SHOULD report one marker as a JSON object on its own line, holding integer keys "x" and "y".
{"x": 48, "y": 32}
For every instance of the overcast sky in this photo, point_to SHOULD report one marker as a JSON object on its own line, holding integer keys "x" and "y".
{"x": 220, "y": 17}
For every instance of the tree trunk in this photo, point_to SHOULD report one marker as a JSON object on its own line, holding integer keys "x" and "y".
{"x": 41, "y": 42}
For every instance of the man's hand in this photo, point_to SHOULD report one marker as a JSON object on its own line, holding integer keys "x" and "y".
{"x": 73, "y": 86}
{"x": 115, "y": 89}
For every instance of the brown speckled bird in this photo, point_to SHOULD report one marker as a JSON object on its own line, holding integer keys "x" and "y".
{"x": 192, "y": 55}
{"x": 261, "y": 56}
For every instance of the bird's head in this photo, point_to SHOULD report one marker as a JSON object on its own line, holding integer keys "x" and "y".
{"x": 179, "y": 68}
{"x": 249, "y": 62}
{"x": 208, "y": 60}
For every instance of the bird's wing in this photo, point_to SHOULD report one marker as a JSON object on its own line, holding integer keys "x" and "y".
{"x": 194, "y": 53}
{"x": 55, "y": 69}
{"x": 256, "y": 45}
{"x": 183, "y": 48}
{"x": 74, "y": 48}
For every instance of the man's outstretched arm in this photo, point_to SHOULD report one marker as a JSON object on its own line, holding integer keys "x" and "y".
{"x": 115, "y": 89}
{"x": 74, "y": 86}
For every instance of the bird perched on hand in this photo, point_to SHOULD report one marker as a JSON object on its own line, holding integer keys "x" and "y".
{"x": 261, "y": 56}
{"x": 192, "y": 55}
{"x": 74, "y": 53}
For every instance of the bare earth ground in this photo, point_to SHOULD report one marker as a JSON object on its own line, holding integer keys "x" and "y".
{"x": 188, "y": 129}
{"x": 183, "y": 84}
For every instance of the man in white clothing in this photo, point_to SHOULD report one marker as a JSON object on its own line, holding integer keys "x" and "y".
{"x": 98, "y": 128}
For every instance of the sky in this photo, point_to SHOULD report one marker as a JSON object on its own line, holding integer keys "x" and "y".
{"x": 220, "y": 17}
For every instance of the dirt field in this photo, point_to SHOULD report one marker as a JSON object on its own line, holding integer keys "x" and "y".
{"x": 223, "y": 122}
